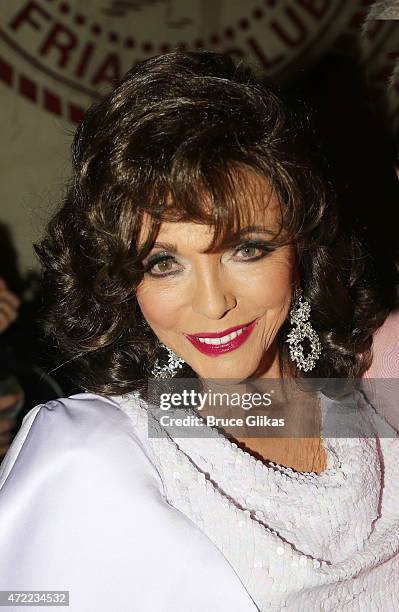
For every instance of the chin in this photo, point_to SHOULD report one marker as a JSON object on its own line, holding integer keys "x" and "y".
{"x": 225, "y": 371}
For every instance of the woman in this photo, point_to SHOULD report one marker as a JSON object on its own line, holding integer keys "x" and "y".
{"x": 195, "y": 207}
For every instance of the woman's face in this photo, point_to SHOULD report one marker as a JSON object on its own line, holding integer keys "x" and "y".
{"x": 191, "y": 293}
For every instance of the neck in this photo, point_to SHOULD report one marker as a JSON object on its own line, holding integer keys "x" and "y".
{"x": 299, "y": 454}
{"x": 300, "y": 447}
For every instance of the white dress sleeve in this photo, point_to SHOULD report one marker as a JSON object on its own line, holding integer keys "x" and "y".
{"x": 82, "y": 510}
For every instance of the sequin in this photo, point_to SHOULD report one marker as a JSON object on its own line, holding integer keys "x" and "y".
{"x": 270, "y": 518}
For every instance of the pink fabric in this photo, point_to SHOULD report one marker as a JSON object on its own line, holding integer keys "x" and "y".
{"x": 386, "y": 349}
{"x": 381, "y": 380}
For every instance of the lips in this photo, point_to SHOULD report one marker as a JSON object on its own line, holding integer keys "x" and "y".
{"x": 219, "y": 334}
{"x": 213, "y": 350}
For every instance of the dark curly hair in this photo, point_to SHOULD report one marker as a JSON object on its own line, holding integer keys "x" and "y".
{"x": 175, "y": 125}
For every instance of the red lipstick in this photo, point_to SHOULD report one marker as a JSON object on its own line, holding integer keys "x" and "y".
{"x": 214, "y": 350}
{"x": 218, "y": 334}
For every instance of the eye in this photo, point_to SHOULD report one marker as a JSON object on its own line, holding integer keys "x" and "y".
{"x": 160, "y": 261}
{"x": 246, "y": 249}
{"x": 250, "y": 248}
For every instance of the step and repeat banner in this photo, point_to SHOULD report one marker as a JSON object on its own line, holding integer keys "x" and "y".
{"x": 57, "y": 57}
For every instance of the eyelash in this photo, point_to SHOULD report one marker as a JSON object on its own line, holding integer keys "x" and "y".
{"x": 156, "y": 259}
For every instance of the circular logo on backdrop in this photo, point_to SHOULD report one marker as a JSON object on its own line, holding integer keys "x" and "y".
{"x": 62, "y": 55}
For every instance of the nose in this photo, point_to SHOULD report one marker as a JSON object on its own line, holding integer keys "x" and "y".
{"x": 213, "y": 296}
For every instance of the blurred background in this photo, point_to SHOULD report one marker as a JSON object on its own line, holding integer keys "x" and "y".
{"x": 340, "y": 58}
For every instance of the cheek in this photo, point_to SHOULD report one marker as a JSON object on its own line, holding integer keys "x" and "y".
{"x": 160, "y": 307}
{"x": 272, "y": 286}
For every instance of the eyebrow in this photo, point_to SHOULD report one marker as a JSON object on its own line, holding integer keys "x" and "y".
{"x": 168, "y": 246}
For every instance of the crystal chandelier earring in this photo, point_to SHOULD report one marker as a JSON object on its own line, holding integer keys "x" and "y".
{"x": 302, "y": 328}
{"x": 168, "y": 370}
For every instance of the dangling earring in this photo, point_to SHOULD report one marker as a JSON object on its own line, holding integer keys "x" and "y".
{"x": 299, "y": 315}
{"x": 168, "y": 370}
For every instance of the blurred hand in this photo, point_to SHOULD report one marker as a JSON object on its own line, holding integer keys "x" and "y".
{"x": 7, "y": 425}
{"x": 9, "y": 304}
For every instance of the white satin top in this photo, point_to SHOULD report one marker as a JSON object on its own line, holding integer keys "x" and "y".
{"x": 83, "y": 509}
{"x": 91, "y": 504}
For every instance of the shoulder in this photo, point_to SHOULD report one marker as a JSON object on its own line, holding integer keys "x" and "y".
{"x": 84, "y": 432}
{"x": 385, "y": 349}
